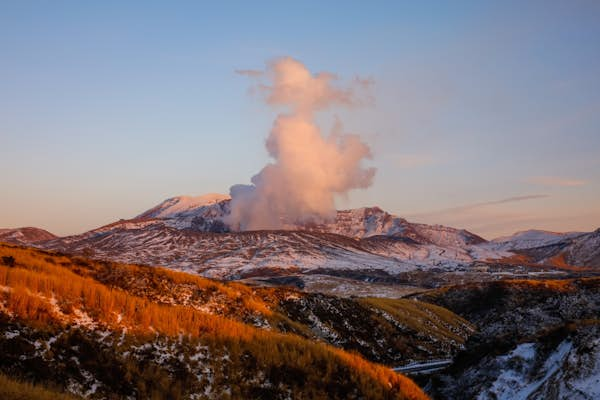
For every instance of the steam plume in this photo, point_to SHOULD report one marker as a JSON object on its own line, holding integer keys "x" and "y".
{"x": 309, "y": 168}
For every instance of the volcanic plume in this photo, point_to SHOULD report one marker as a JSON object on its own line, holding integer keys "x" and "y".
{"x": 309, "y": 167}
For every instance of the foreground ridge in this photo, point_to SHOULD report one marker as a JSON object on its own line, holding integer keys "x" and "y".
{"x": 116, "y": 342}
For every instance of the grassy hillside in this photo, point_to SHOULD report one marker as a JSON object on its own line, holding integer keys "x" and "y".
{"x": 13, "y": 389}
{"x": 392, "y": 332}
{"x": 92, "y": 329}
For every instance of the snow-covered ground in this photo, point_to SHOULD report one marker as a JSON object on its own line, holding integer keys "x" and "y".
{"x": 565, "y": 373}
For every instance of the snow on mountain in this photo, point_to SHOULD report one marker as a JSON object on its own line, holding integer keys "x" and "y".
{"x": 532, "y": 238}
{"x": 231, "y": 255}
{"x": 360, "y": 223}
{"x": 573, "y": 248}
{"x": 177, "y": 206}
{"x": 373, "y": 221}
{"x": 570, "y": 370}
{"x": 26, "y": 235}
{"x": 189, "y": 234}
{"x": 205, "y": 214}
{"x": 584, "y": 250}
{"x": 535, "y": 340}
{"x": 514, "y": 383}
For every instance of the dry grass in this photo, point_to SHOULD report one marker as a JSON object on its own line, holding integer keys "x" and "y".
{"x": 421, "y": 316}
{"x": 557, "y": 285}
{"x": 41, "y": 288}
{"x": 13, "y": 389}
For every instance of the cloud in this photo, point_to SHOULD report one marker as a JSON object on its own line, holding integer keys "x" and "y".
{"x": 555, "y": 181}
{"x": 516, "y": 198}
{"x": 489, "y": 218}
{"x": 453, "y": 211}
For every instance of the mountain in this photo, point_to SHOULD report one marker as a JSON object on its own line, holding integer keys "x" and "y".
{"x": 561, "y": 249}
{"x": 25, "y": 235}
{"x": 357, "y": 246}
{"x": 144, "y": 331}
{"x": 206, "y": 213}
{"x": 583, "y": 250}
{"x": 365, "y": 244}
{"x": 189, "y": 233}
{"x": 238, "y": 255}
{"x": 533, "y": 238}
{"x": 182, "y": 205}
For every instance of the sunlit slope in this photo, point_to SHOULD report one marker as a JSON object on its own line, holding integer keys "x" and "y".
{"x": 392, "y": 332}
{"x": 62, "y": 325}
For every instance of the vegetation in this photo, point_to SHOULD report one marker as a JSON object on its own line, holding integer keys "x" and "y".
{"x": 426, "y": 318}
{"x": 8, "y": 261}
{"x": 13, "y": 389}
{"x": 153, "y": 349}
{"x": 414, "y": 332}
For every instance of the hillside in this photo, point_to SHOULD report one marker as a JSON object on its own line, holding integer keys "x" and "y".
{"x": 551, "y": 248}
{"x": 535, "y": 340}
{"x": 161, "y": 340}
{"x": 344, "y": 322}
{"x": 14, "y": 389}
{"x": 171, "y": 333}
{"x": 25, "y": 236}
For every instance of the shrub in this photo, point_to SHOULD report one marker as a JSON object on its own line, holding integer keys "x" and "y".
{"x": 8, "y": 261}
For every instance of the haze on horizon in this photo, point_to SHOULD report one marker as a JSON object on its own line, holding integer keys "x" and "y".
{"x": 486, "y": 116}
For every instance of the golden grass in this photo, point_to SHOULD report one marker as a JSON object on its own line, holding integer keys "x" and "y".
{"x": 13, "y": 389}
{"x": 420, "y": 316}
{"x": 557, "y": 285}
{"x": 42, "y": 289}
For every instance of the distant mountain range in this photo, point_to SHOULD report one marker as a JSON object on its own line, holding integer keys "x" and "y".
{"x": 27, "y": 235}
{"x": 189, "y": 233}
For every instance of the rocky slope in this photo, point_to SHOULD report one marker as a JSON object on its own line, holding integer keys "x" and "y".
{"x": 535, "y": 340}
{"x": 206, "y": 213}
{"x": 188, "y": 233}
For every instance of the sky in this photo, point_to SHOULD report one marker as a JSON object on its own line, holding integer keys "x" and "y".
{"x": 486, "y": 115}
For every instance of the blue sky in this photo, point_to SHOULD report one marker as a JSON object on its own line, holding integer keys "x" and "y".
{"x": 108, "y": 108}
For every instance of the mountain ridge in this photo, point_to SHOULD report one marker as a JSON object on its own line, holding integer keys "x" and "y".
{"x": 369, "y": 244}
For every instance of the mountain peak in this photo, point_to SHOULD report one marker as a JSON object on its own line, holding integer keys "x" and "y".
{"x": 181, "y": 204}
